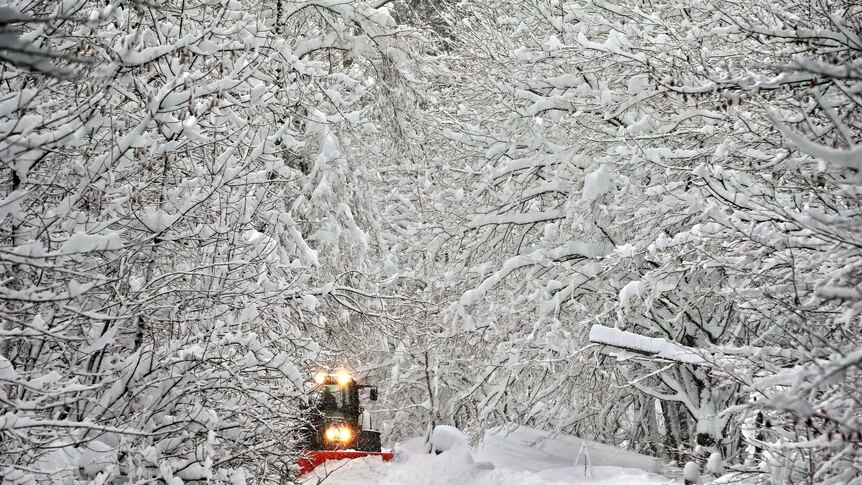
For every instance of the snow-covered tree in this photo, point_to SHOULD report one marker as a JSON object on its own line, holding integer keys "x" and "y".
{"x": 177, "y": 199}
{"x": 786, "y": 207}
{"x": 633, "y": 221}
{"x": 635, "y": 166}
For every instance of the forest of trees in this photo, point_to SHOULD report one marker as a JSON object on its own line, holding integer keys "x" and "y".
{"x": 635, "y": 221}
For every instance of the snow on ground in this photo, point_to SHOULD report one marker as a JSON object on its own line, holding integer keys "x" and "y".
{"x": 512, "y": 458}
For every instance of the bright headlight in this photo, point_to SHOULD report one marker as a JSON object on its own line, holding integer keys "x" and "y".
{"x": 342, "y": 434}
{"x": 320, "y": 378}
{"x": 343, "y": 379}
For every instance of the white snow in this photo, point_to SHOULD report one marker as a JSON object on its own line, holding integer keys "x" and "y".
{"x": 445, "y": 438}
{"x": 82, "y": 243}
{"x": 631, "y": 290}
{"x": 715, "y": 464}
{"x": 647, "y": 345}
{"x": 597, "y": 183}
{"x": 518, "y": 457}
{"x": 692, "y": 474}
{"x": 7, "y": 370}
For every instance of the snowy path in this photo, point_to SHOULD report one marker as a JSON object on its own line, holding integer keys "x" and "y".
{"x": 499, "y": 460}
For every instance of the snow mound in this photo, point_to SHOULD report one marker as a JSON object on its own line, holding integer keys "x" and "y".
{"x": 445, "y": 438}
{"x": 692, "y": 474}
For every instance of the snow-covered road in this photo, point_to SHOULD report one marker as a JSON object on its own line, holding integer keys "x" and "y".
{"x": 501, "y": 459}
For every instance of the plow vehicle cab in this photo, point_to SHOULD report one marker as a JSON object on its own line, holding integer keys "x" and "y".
{"x": 339, "y": 427}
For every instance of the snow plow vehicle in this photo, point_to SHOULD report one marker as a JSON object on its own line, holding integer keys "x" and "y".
{"x": 338, "y": 426}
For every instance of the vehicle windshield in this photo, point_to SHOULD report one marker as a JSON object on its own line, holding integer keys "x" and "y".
{"x": 333, "y": 397}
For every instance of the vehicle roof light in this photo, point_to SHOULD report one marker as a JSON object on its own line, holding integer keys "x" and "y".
{"x": 343, "y": 379}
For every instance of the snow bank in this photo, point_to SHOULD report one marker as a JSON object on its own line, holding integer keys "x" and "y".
{"x": 533, "y": 450}
{"x": 411, "y": 466}
{"x": 521, "y": 457}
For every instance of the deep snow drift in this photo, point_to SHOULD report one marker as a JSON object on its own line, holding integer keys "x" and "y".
{"x": 503, "y": 458}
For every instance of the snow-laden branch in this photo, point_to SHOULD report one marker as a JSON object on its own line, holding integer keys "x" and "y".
{"x": 537, "y": 257}
{"x": 652, "y": 346}
{"x": 518, "y": 219}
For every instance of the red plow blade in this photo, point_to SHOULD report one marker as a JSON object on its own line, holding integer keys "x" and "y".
{"x": 312, "y": 459}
